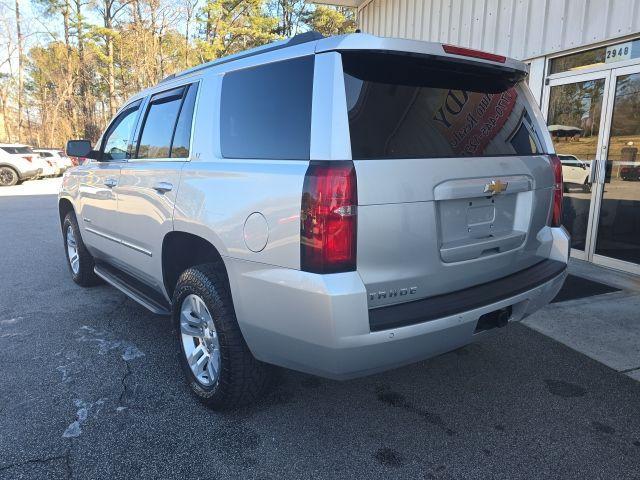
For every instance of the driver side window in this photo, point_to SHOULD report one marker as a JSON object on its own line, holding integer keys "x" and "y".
{"x": 117, "y": 140}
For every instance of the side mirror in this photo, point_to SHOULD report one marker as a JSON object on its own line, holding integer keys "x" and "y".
{"x": 80, "y": 148}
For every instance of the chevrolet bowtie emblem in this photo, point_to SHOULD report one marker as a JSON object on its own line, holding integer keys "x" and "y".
{"x": 496, "y": 186}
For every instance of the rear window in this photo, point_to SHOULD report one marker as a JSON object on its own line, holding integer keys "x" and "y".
{"x": 15, "y": 150}
{"x": 265, "y": 111}
{"x": 409, "y": 107}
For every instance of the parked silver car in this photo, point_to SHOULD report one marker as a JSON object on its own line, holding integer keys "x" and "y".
{"x": 338, "y": 206}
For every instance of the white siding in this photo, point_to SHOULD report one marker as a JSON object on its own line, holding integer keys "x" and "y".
{"x": 517, "y": 28}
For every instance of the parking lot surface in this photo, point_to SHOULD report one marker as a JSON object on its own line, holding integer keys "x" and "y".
{"x": 90, "y": 388}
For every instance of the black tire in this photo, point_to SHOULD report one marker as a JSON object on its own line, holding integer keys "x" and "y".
{"x": 586, "y": 186}
{"x": 8, "y": 177}
{"x": 85, "y": 276}
{"x": 242, "y": 379}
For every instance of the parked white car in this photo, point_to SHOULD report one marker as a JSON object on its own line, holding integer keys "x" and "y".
{"x": 58, "y": 157}
{"x": 19, "y": 150}
{"x": 575, "y": 172}
{"x": 15, "y": 169}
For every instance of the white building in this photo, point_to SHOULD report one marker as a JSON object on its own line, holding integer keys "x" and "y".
{"x": 584, "y": 58}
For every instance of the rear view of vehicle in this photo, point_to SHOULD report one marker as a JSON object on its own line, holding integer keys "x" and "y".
{"x": 434, "y": 219}
{"x": 455, "y": 181}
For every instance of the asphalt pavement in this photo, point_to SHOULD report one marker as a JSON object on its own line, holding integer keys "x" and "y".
{"x": 90, "y": 387}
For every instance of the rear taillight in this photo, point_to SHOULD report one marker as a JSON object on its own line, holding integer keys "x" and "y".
{"x": 328, "y": 218}
{"x": 469, "y": 52}
{"x": 556, "y": 214}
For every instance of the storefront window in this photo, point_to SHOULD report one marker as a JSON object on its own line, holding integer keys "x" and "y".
{"x": 596, "y": 56}
{"x": 619, "y": 226}
{"x": 574, "y": 124}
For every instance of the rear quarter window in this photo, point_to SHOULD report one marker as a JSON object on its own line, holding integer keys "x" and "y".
{"x": 265, "y": 111}
{"x": 407, "y": 107}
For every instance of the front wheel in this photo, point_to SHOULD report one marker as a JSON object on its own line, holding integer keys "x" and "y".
{"x": 8, "y": 177}
{"x": 216, "y": 360}
{"x": 79, "y": 260}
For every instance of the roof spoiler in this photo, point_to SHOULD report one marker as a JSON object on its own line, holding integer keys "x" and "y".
{"x": 366, "y": 42}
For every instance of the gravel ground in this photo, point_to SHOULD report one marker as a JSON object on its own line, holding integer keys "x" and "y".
{"x": 90, "y": 388}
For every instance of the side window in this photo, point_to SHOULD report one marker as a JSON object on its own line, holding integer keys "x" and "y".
{"x": 116, "y": 139}
{"x": 182, "y": 135}
{"x": 166, "y": 130}
{"x": 265, "y": 111}
{"x": 159, "y": 123}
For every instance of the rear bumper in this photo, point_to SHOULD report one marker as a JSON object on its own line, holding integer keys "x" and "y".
{"x": 319, "y": 324}
{"x": 432, "y": 308}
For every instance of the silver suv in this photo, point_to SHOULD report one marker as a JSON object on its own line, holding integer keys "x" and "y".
{"x": 338, "y": 206}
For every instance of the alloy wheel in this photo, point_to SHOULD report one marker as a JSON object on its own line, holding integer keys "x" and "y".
{"x": 7, "y": 177}
{"x": 72, "y": 251}
{"x": 200, "y": 340}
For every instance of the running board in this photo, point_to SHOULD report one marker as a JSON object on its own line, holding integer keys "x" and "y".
{"x": 134, "y": 289}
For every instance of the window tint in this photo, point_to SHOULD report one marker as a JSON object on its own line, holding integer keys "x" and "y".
{"x": 116, "y": 140}
{"x": 266, "y": 111}
{"x": 182, "y": 136}
{"x": 46, "y": 154}
{"x": 17, "y": 150}
{"x": 403, "y": 107}
{"x": 159, "y": 123}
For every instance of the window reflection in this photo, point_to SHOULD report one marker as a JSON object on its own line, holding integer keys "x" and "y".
{"x": 574, "y": 123}
{"x": 619, "y": 225}
{"x": 593, "y": 58}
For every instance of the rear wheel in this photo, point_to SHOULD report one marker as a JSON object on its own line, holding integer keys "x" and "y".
{"x": 8, "y": 177}
{"x": 79, "y": 260}
{"x": 586, "y": 186}
{"x": 216, "y": 360}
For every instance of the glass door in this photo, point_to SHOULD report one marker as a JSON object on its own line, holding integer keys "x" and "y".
{"x": 617, "y": 228}
{"x": 575, "y": 109}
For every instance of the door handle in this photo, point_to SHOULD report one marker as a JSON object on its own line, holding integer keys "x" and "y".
{"x": 163, "y": 187}
{"x": 110, "y": 182}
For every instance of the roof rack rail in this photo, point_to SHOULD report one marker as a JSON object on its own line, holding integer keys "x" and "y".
{"x": 295, "y": 40}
